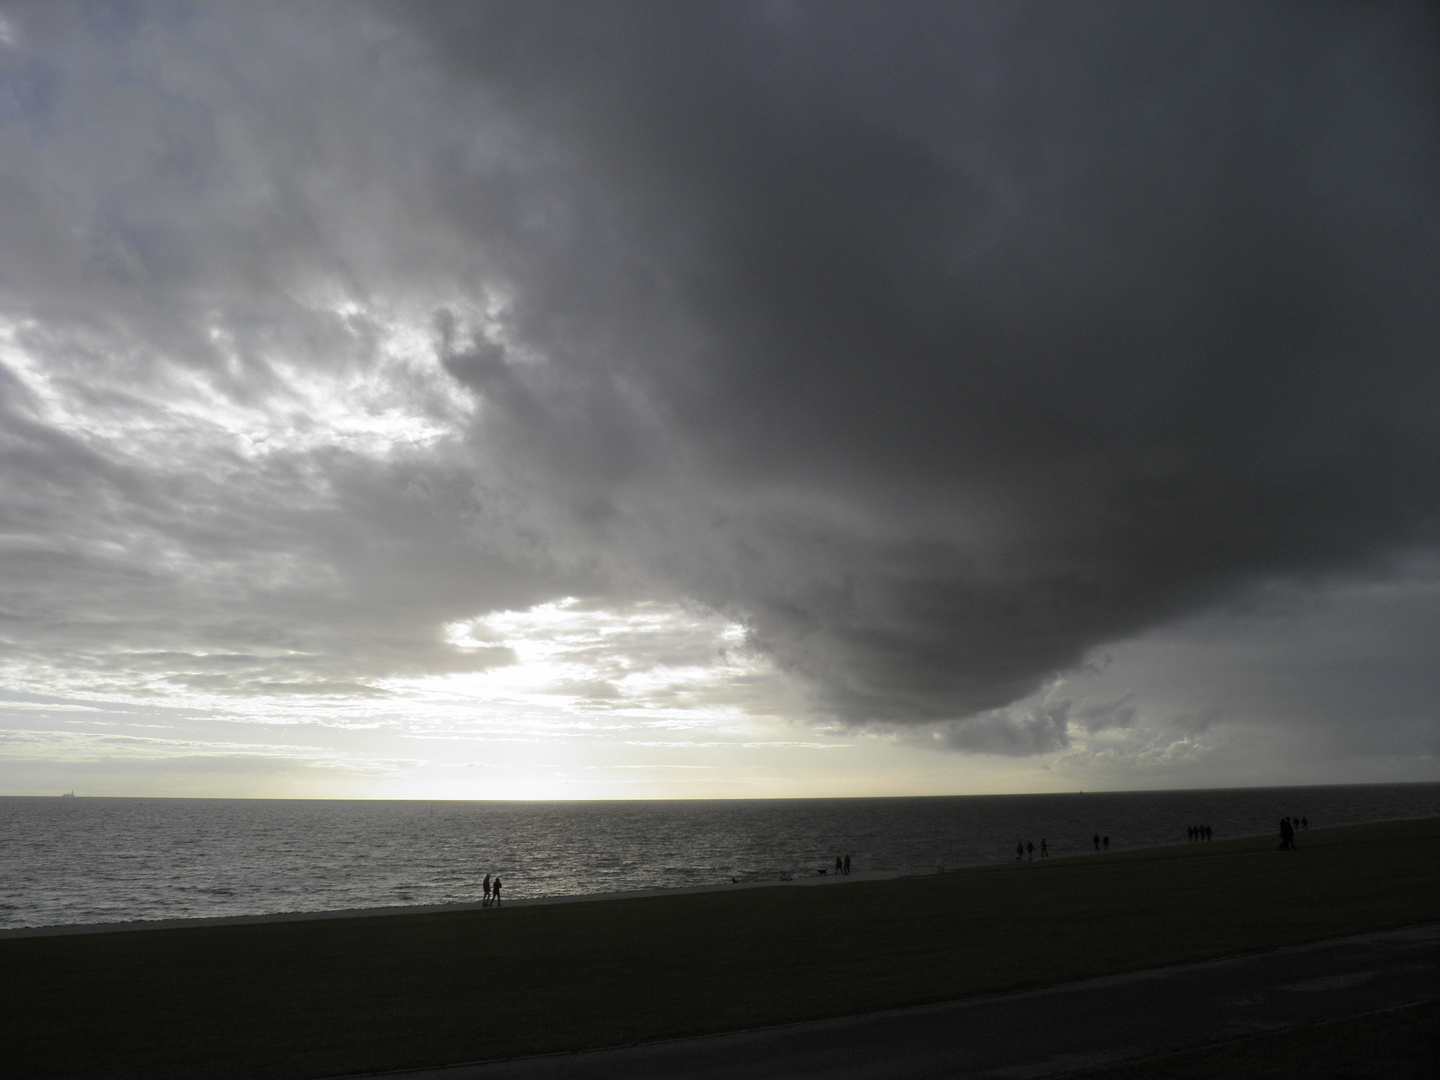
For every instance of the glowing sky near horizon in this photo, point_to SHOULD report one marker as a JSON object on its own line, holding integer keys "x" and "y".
{"x": 716, "y": 400}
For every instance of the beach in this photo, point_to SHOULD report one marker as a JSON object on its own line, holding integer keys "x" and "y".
{"x": 73, "y": 929}
{"x": 301, "y": 998}
{"x": 105, "y": 861}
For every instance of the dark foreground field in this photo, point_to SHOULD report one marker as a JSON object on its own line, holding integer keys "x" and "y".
{"x": 1397, "y": 1044}
{"x": 312, "y": 999}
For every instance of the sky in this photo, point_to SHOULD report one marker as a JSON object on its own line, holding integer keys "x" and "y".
{"x": 717, "y": 400}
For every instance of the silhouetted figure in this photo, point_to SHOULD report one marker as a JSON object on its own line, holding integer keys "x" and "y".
{"x": 1106, "y": 842}
{"x": 1209, "y": 833}
{"x": 1305, "y": 823}
{"x": 1044, "y": 849}
{"x": 1019, "y": 850}
{"x": 847, "y": 865}
{"x": 1097, "y": 841}
{"x": 495, "y": 891}
{"x": 1190, "y": 834}
{"x": 1287, "y": 835}
{"x": 839, "y": 866}
{"x": 486, "y": 888}
{"x": 1030, "y": 847}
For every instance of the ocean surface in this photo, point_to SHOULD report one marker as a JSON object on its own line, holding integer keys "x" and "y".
{"x": 90, "y": 860}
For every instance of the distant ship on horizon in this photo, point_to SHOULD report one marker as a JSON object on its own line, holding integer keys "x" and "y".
{"x": 67, "y": 794}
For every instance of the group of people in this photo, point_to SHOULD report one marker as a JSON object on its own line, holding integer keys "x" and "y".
{"x": 491, "y": 889}
{"x": 1025, "y": 851}
{"x": 1022, "y": 849}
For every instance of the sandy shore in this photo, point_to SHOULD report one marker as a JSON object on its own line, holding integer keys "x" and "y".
{"x": 429, "y": 909}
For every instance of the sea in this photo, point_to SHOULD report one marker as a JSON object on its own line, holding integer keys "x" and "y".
{"x": 78, "y": 860}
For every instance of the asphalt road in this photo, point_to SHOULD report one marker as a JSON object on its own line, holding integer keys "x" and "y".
{"x": 1037, "y": 1033}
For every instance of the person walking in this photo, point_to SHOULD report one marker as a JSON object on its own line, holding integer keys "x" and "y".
{"x": 1044, "y": 849}
{"x": 847, "y": 866}
{"x": 495, "y": 891}
{"x": 486, "y": 887}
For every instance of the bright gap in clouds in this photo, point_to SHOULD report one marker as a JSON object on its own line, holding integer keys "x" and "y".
{"x": 602, "y": 658}
{"x": 394, "y": 400}
{"x": 599, "y": 701}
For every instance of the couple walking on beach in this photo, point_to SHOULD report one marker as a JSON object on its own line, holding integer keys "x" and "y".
{"x": 1287, "y": 835}
{"x": 491, "y": 890}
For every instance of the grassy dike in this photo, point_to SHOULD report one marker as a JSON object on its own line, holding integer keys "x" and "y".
{"x": 1398, "y": 1044}
{"x": 323, "y": 998}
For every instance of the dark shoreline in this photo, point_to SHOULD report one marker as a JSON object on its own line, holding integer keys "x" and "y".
{"x": 201, "y": 921}
{"x": 103, "y": 862}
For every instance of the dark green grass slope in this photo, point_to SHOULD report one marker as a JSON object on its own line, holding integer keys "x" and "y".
{"x": 323, "y": 998}
{"x": 1398, "y": 1044}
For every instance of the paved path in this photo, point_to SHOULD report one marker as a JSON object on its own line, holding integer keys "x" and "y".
{"x": 1038, "y": 1033}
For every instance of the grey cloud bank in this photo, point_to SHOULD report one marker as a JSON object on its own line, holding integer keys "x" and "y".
{"x": 943, "y": 347}
{"x": 987, "y": 335}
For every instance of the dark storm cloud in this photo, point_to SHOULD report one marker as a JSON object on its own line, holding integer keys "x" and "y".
{"x": 939, "y": 344}
{"x": 943, "y": 343}
{"x": 1010, "y": 732}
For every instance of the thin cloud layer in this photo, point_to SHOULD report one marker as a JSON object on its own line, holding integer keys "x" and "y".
{"x": 938, "y": 346}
